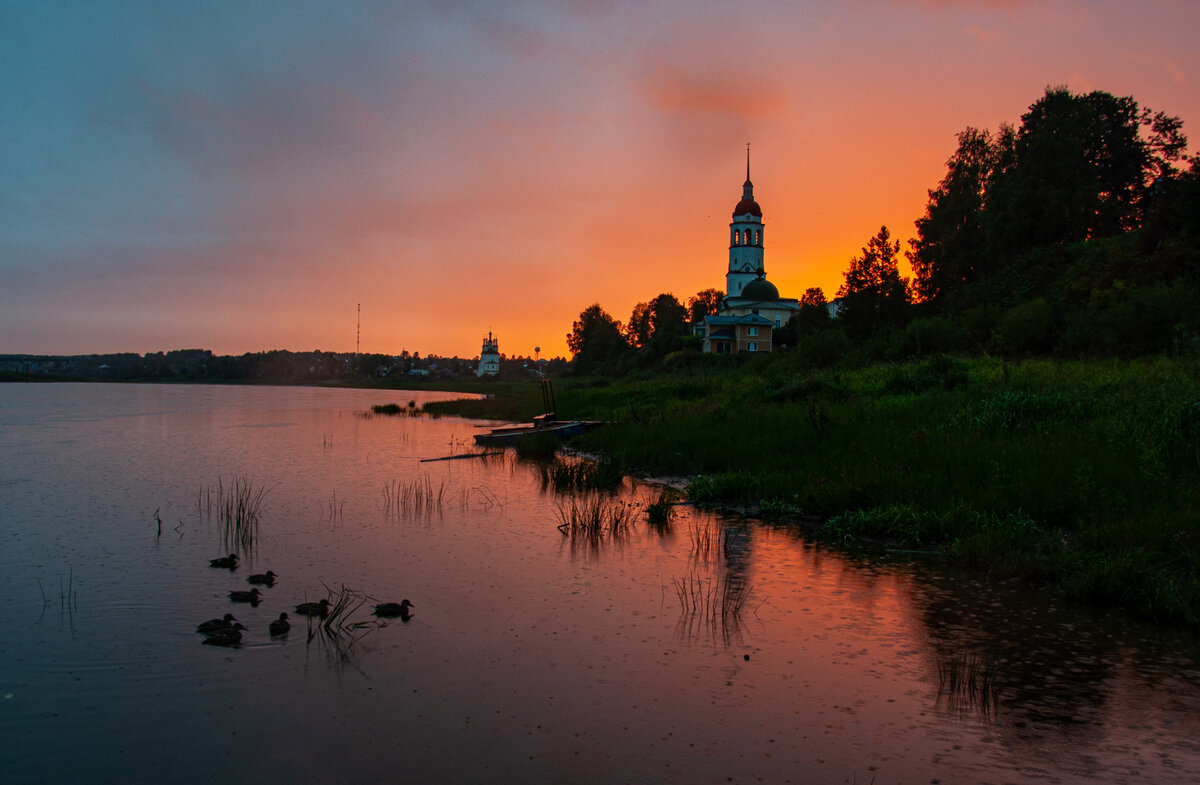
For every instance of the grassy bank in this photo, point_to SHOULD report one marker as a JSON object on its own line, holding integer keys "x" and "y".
{"x": 1077, "y": 474}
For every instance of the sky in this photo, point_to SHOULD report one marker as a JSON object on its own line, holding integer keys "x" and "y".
{"x": 249, "y": 176}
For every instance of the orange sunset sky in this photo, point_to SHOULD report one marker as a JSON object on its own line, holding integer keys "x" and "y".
{"x": 239, "y": 177}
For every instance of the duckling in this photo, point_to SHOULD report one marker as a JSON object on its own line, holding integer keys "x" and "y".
{"x": 230, "y": 636}
{"x": 252, "y": 596}
{"x": 391, "y": 610}
{"x": 267, "y": 578}
{"x": 314, "y": 608}
{"x": 280, "y": 626}
{"x": 216, "y": 624}
{"x": 229, "y": 562}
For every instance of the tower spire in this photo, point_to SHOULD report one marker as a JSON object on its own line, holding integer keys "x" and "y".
{"x": 747, "y": 162}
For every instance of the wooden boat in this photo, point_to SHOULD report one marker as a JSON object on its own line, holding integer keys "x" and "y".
{"x": 543, "y": 424}
{"x": 507, "y": 435}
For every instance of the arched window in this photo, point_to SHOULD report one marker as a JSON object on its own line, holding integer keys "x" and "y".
{"x": 737, "y": 236}
{"x": 758, "y": 237}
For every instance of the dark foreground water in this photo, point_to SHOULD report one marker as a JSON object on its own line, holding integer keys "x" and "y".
{"x": 530, "y": 657}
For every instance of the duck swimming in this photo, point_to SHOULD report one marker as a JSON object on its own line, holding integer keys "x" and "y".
{"x": 252, "y": 596}
{"x": 216, "y": 624}
{"x": 280, "y": 626}
{"x": 391, "y": 610}
{"x": 230, "y": 636}
{"x": 314, "y": 608}
{"x": 229, "y": 562}
{"x": 267, "y": 578}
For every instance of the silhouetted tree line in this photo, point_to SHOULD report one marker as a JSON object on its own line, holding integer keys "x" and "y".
{"x": 271, "y": 367}
{"x": 1075, "y": 233}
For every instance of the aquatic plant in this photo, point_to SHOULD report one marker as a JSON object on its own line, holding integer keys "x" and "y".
{"x": 573, "y": 474}
{"x": 968, "y": 679}
{"x": 415, "y": 498}
{"x": 594, "y": 515}
{"x": 238, "y": 507}
{"x": 707, "y": 542}
{"x": 658, "y": 512}
{"x": 712, "y": 604}
{"x": 332, "y": 509}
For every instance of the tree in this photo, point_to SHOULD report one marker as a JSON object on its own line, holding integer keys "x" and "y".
{"x": 1081, "y": 170}
{"x": 706, "y": 302}
{"x": 815, "y": 296}
{"x": 874, "y": 293}
{"x": 948, "y": 250}
{"x": 657, "y": 326}
{"x": 812, "y": 316}
{"x": 596, "y": 340}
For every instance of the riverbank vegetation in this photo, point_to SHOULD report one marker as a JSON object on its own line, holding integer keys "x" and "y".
{"x": 1081, "y": 474}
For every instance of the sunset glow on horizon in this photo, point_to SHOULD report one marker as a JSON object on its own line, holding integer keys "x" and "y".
{"x": 242, "y": 178}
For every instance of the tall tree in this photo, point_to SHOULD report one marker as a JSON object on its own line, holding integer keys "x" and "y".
{"x": 1080, "y": 171}
{"x": 596, "y": 340}
{"x": 706, "y": 302}
{"x": 948, "y": 250}
{"x": 657, "y": 325}
{"x": 874, "y": 293}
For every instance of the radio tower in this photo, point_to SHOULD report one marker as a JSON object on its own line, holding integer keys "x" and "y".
{"x": 357, "y": 330}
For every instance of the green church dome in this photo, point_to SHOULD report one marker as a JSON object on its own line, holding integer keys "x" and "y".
{"x": 760, "y": 289}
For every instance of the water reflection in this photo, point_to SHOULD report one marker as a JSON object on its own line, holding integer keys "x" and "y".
{"x": 702, "y": 648}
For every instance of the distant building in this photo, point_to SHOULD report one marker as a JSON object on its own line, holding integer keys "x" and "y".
{"x": 489, "y": 356}
{"x": 752, "y": 308}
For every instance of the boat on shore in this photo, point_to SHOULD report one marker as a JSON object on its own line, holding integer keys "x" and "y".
{"x": 508, "y": 435}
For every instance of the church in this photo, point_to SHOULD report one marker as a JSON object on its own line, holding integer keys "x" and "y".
{"x": 752, "y": 308}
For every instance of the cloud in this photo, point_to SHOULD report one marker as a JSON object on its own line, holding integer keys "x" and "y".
{"x": 685, "y": 91}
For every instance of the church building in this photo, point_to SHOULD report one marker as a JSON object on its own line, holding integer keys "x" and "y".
{"x": 752, "y": 308}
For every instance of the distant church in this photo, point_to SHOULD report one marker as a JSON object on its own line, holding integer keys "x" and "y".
{"x": 752, "y": 308}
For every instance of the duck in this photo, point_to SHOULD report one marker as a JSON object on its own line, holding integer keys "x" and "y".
{"x": 252, "y": 596}
{"x": 230, "y": 636}
{"x": 390, "y": 610}
{"x": 280, "y": 626}
{"x": 267, "y": 578}
{"x": 229, "y": 562}
{"x": 216, "y": 624}
{"x": 314, "y": 608}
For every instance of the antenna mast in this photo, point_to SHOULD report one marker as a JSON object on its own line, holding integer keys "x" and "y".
{"x": 357, "y": 330}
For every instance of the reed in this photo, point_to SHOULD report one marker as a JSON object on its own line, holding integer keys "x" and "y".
{"x": 658, "y": 512}
{"x": 239, "y": 509}
{"x": 332, "y": 508}
{"x": 415, "y": 498}
{"x": 707, "y": 542}
{"x": 711, "y": 604}
{"x": 594, "y": 515}
{"x": 575, "y": 474}
{"x": 968, "y": 680}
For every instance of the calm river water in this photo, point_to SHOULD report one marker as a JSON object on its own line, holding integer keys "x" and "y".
{"x": 529, "y": 658}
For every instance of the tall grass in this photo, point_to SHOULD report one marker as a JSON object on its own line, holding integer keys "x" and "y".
{"x": 575, "y": 474}
{"x": 711, "y": 604}
{"x": 238, "y": 506}
{"x": 415, "y": 498}
{"x": 969, "y": 680}
{"x": 594, "y": 515}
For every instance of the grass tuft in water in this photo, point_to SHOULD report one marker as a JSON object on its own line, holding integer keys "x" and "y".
{"x": 968, "y": 680}
{"x": 414, "y": 499}
{"x": 239, "y": 508}
{"x": 658, "y": 512}
{"x": 594, "y": 515}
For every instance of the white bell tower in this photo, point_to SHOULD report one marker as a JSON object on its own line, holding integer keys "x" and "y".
{"x": 745, "y": 239}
